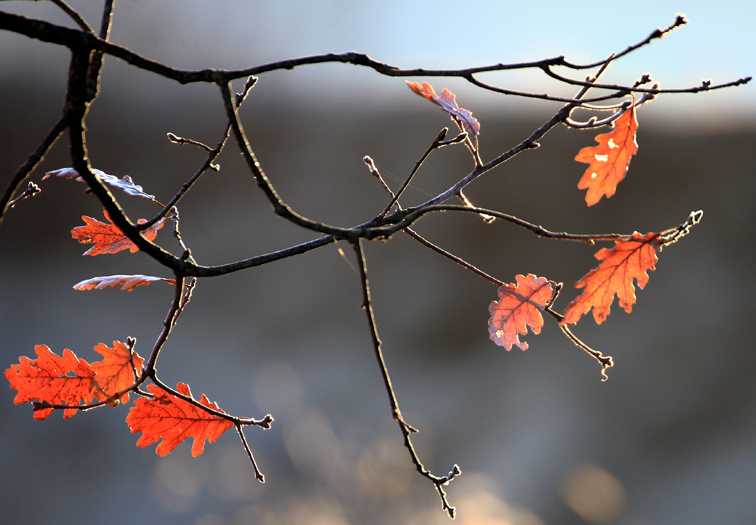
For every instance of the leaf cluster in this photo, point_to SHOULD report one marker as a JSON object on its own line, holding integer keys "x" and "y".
{"x": 70, "y": 384}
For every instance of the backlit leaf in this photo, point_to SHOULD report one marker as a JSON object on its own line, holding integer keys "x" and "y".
{"x": 129, "y": 282}
{"x": 68, "y": 380}
{"x": 629, "y": 259}
{"x": 610, "y": 159}
{"x": 173, "y": 420}
{"x": 108, "y": 238}
{"x": 447, "y": 101}
{"x": 517, "y": 308}
{"x": 58, "y": 380}
{"x": 116, "y": 371}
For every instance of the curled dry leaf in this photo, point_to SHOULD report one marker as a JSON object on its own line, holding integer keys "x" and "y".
{"x": 517, "y": 308}
{"x": 629, "y": 259}
{"x": 173, "y": 420}
{"x": 447, "y": 101}
{"x": 129, "y": 282}
{"x": 108, "y": 238}
{"x": 126, "y": 184}
{"x": 610, "y": 159}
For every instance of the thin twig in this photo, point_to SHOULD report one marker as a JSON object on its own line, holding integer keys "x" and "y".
{"x": 437, "y": 142}
{"x": 425, "y": 242}
{"x": 258, "y": 474}
{"x": 76, "y": 39}
{"x": 75, "y": 16}
{"x": 438, "y": 481}
{"x": 31, "y": 163}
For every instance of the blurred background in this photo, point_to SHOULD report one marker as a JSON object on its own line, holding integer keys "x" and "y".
{"x": 669, "y": 438}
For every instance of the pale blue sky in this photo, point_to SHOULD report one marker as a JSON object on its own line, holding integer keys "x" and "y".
{"x": 718, "y": 43}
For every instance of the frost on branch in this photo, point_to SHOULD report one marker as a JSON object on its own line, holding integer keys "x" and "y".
{"x": 517, "y": 308}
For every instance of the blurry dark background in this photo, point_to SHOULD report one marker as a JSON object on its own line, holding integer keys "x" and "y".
{"x": 670, "y": 438}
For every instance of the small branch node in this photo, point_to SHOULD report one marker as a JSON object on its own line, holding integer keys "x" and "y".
{"x": 30, "y": 191}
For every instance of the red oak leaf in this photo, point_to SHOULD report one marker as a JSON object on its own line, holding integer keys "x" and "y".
{"x": 174, "y": 420}
{"x": 517, "y": 308}
{"x": 108, "y": 238}
{"x": 116, "y": 371}
{"x": 610, "y": 159}
{"x": 65, "y": 380}
{"x": 448, "y": 103}
{"x": 628, "y": 260}
{"x": 129, "y": 282}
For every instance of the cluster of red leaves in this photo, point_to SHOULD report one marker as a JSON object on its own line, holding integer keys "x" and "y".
{"x": 52, "y": 381}
{"x": 520, "y": 306}
{"x": 68, "y": 380}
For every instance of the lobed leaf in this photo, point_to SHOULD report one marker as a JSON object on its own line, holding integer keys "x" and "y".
{"x": 610, "y": 159}
{"x": 173, "y": 420}
{"x": 108, "y": 238}
{"x": 448, "y": 103}
{"x": 129, "y": 282}
{"x": 58, "y": 380}
{"x": 116, "y": 371}
{"x": 629, "y": 259}
{"x": 68, "y": 380}
{"x": 518, "y": 308}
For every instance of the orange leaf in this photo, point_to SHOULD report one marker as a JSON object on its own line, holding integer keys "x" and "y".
{"x": 517, "y": 308}
{"x": 129, "y": 282}
{"x": 108, "y": 238}
{"x": 448, "y": 103}
{"x": 174, "y": 420}
{"x": 628, "y": 260}
{"x": 65, "y": 380}
{"x": 610, "y": 159}
{"x": 115, "y": 372}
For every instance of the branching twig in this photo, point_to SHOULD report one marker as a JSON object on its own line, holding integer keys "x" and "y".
{"x": 31, "y": 163}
